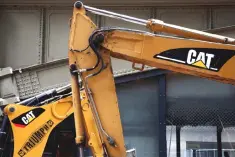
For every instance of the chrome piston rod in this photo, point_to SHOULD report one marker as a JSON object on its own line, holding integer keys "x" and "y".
{"x": 116, "y": 15}
{"x": 163, "y": 27}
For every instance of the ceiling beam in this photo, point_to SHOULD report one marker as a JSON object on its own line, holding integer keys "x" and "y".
{"x": 120, "y": 2}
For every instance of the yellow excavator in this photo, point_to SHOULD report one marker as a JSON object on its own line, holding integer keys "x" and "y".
{"x": 91, "y": 97}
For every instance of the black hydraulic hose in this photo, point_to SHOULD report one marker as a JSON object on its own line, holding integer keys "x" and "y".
{"x": 39, "y": 98}
{"x": 96, "y": 53}
{"x": 94, "y": 48}
{"x": 97, "y": 56}
{"x": 34, "y": 101}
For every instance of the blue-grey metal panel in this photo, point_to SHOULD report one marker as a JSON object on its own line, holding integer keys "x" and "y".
{"x": 20, "y": 33}
{"x": 222, "y": 16}
{"x": 138, "y": 102}
{"x": 57, "y": 32}
{"x": 225, "y": 31}
{"x": 196, "y": 18}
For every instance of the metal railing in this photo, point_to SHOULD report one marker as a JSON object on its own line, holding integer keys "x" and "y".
{"x": 208, "y": 152}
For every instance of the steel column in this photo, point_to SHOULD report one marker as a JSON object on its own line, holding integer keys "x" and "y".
{"x": 178, "y": 128}
{"x": 194, "y": 153}
{"x": 162, "y": 116}
{"x": 219, "y": 143}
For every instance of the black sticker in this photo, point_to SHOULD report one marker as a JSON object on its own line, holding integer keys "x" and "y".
{"x": 206, "y": 58}
{"x": 26, "y": 118}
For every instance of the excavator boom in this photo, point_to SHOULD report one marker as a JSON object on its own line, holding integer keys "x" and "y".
{"x": 195, "y": 57}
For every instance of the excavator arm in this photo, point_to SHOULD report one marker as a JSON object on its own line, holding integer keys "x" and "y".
{"x": 194, "y": 52}
{"x": 195, "y": 57}
{"x": 99, "y": 86}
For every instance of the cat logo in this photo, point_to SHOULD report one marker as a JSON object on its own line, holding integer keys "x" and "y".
{"x": 35, "y": 138}
{"x": 205, "y": 58}
{"x": 200, "y": 59}
{"x": 26, "y": 118}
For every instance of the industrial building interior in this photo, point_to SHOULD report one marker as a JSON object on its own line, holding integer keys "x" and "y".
{"x": 164, "y": 114}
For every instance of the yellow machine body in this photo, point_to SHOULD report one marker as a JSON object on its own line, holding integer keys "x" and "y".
{"x": 92, "y": 134}
{"x": 207, "y": 59}
{"x": 32, "y": 126}
{"x": 102, "y": 86}
{"x": 195, "y": 57}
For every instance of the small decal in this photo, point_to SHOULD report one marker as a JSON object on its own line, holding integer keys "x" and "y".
{"x": 35, "y": 138}
{"x": 210, "y": 59}
{"x": 26, "y": 118}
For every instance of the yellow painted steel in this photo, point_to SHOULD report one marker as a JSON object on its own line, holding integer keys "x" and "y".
{"x": 102, "y": 86}
{"x": 159, "y": 26}
{"x": 137, "y": 48}
{"x": 140, "y": 48}
{"x": 30, "y": 139}
{"x": 92, "y": 134}
{"x": 55, "y": 112}
{"x": 78, "y": 117}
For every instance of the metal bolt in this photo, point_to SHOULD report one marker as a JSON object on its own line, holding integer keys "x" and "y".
{"x": 12, "y": 109}
{"x": 78, "y": 5}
